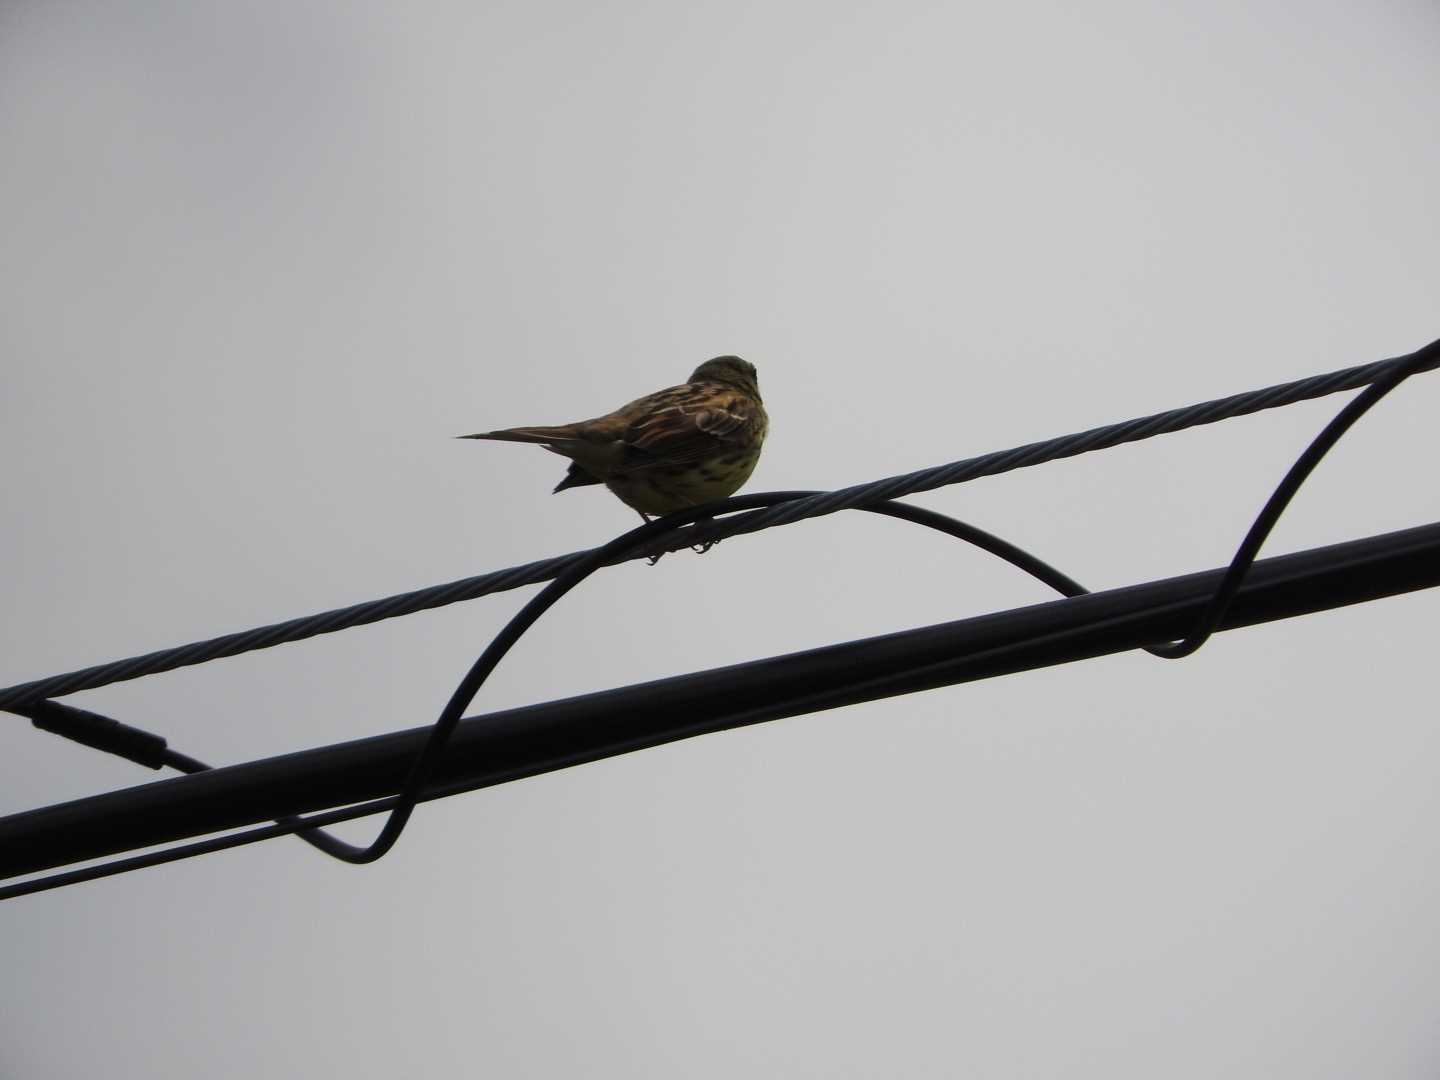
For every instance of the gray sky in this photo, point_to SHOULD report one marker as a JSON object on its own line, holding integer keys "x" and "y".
{"x": 261, "y": 261}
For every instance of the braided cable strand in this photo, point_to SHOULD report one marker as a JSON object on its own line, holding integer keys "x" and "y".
{"x": 1100, "y": 438}
{"x": 991, "y": 464}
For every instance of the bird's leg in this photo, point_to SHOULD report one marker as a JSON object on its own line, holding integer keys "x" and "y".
{"x": 700, "y": 549}
{"x": 646, "y": 518}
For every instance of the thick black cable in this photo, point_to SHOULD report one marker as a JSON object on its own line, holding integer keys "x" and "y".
{"x": 310, "y": 826}
{"x": 864, "y": 494}
{"x": 296, "y": 825}
{"x": 1012, "y": 654}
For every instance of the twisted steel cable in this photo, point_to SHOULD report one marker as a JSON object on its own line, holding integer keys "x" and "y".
{"x": 991, "y": 464}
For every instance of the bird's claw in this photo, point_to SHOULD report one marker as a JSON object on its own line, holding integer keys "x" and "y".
{"x": 699, "y": 549}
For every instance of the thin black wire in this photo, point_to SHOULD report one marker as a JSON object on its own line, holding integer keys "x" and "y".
{"x": 991, "y": 464}
{"x": 636, "y": 540}
{"x": 160, "y": 755}
{"x": 402, "y": 806}
{"x": 1278, "y": 501}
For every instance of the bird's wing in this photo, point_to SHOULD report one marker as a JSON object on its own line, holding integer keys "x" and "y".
{"x": 689, "y": 427}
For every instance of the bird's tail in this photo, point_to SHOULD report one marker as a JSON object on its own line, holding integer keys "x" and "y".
{"x": 561, "y": 434}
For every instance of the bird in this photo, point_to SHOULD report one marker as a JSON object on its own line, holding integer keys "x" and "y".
{"x": 676, "y": 448}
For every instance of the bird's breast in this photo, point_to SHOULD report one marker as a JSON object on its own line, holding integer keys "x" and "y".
{"x": 675, "y": 487}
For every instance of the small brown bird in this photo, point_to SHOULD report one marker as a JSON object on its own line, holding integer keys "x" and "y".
{"x": 675, "y": 448}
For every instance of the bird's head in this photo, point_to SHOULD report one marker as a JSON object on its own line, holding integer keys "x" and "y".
{"x": 729, "y": 369}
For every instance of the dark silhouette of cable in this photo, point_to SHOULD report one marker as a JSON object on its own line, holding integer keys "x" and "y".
{"x": 811, "y": 506}
{"x": 402, "y": 806}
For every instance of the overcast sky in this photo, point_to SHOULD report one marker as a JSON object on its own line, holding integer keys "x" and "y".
{"x": 261, "y": 261}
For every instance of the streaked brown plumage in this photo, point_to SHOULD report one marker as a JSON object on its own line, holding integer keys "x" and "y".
{"x": 678, "y": 447}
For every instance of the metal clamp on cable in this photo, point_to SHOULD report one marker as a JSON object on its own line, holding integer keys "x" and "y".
{"x": 100, "y": 732}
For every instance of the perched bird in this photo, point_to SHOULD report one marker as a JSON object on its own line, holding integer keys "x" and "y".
{"x": 678, "y": 447}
